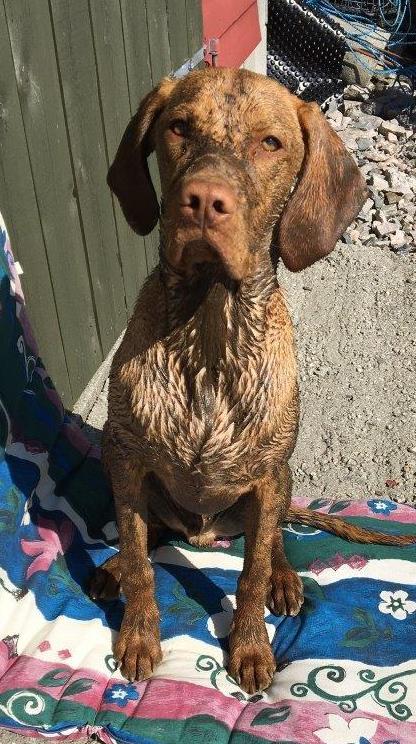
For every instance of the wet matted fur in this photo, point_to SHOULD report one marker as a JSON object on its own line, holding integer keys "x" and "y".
{"x": 203, "y": 396}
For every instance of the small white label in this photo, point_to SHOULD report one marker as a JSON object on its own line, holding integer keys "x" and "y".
{"x": 19, "y": 269}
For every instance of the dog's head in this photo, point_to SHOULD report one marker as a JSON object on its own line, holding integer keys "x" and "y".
{"x": 240, "y": 158}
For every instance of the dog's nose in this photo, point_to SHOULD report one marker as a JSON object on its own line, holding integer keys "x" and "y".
{"x": 206, "y": 202}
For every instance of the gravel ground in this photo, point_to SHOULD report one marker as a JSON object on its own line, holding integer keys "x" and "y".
{"x": 355, "y": 318}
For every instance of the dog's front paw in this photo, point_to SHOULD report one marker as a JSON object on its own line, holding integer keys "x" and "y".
{"x": 251, "y": 664}
{"x": 137, "y": 650}
{"x": 286, "y": 592}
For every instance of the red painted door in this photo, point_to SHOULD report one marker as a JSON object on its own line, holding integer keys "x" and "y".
{"x": 236, "y": 24}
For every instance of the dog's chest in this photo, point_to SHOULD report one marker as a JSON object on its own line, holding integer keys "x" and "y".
{"x": 206, "y": 429}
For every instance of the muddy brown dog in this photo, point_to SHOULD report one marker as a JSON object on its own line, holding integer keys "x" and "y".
{"x": 203, "y": 397}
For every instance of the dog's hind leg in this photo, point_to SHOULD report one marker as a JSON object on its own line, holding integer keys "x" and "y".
{"x": 286, "y": 588}
{"x": 105, "y": 581}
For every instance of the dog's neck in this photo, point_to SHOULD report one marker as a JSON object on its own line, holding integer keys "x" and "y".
{"x": 213, "y": 321}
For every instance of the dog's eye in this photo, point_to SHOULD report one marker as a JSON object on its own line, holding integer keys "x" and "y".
{"x": 179, "y": 127}
{"x": 271, "y": 144}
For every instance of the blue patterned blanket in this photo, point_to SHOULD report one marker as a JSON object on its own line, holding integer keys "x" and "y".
{"x": 346, "y": 665}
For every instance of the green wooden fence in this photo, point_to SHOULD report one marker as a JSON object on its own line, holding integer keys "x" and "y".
{"x": 71, "y": 74}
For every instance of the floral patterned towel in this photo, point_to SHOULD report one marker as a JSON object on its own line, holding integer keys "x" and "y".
{"x": 347, "y": 669}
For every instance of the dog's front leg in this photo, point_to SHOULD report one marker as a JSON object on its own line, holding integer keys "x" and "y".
{"x": 138, "y": 645}
{"x": 251, "y": 658}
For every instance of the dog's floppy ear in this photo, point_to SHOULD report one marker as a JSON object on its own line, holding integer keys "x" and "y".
{"x": 329, "y": 194}
{"x": 129, "y": 176}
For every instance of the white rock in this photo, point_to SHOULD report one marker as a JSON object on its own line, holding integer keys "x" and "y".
{"x": 379, "y": 183}
{"x": 382, "y": 229}
{"x": 398, "y": 182}
{"x": 355, "y": 93}
{"x": 398, "y": 239}
{"x": 388, "y": 147}
{"x": 367, "y": 207}
{"x": 377, "y": 157}
{"x": 391, "y": 127}
{"x": 336, "y": 118}
{"x": 349, "y": 106}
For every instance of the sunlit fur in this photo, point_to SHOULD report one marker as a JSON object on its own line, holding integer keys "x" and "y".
{"x": 203, "y": 396}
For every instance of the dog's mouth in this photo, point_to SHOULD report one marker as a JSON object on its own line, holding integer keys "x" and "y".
{"x": 189, "y": 253}
{"x": 201, "y": 251}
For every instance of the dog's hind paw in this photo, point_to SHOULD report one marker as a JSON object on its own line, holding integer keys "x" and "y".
{"x": 286, "y": 592}
{"x": 105, "y": 581}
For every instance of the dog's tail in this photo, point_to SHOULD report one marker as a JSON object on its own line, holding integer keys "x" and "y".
{"x": 343, "y": 529}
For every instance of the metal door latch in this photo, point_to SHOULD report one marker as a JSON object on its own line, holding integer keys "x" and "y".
{"x": 210, "y": 48}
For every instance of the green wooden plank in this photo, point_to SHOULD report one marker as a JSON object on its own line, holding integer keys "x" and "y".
{"x": 161, "y": 65}
{"x": 20, "y": 211}
{"x": 112, "y": 76}
{"x": 140, "y": 81}
{"x": 136, "y": 45}
{"x": 39, "y": 91}
{"x": 157, "y": 25}
{"x": 194, "y": 25}
{"x": 178, "y": 32}
{"x": 149, "y": 30}
{"x": 77, "y": 67}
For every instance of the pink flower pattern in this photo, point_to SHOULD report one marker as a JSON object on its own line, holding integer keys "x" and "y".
{"x": 44, "y": 646}
{"x": 52, "y": 544}
{"x": 64, "y": 653}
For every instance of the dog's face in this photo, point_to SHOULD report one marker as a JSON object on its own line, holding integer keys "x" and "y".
{"x": 228, "y": 150}
{"x": 231, "y": 145}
